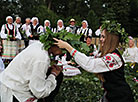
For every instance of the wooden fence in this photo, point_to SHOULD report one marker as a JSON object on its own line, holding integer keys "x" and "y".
{"x": 96, "y": 41}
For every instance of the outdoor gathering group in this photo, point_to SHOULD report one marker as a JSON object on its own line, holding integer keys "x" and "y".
{"x": 28, "y": 75}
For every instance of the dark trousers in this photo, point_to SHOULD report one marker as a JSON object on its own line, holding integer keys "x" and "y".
{"x": 52, "y": 95}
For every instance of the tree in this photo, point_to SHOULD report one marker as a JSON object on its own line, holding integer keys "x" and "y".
{"x": 93, "y": 20}
{"x": 118, "y": 10}
{"x": 8, "y": 8}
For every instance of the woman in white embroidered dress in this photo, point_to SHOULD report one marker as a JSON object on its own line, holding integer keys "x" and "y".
{"x": 109, "y": 67}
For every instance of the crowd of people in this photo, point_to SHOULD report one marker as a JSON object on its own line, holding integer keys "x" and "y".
{"x": 22, "y": 81}
{"x": 17, "y": 36}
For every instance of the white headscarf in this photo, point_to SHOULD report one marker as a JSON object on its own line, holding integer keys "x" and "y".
{"x": 48, "y": 22}
{"x": 60, "y": 21}
{"x": 8, "y": 17}
{"x": 62, "y": 25}
{"x": 35, "y": 18}
{"x": 84, "y": 21}
{"x": 130, "y": 38}
{"x": 18, "y": 18}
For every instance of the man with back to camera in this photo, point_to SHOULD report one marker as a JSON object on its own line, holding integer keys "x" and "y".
{"x": 25, "y": 79}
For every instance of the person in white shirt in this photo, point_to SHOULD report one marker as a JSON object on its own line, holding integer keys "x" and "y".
{"x": 36, "y": 30}
{"x": 72, "y": 28}
{"x": 131, "y": 53}
{"x": 10, "y": 35}
{"x": 47, "y": 24}
{"x": 84, "y": 30}
{"x": 26, "y": 27}
{"x": 6, "y": 28}
{"x": 18, "y": 25}
{"x": 17, "y": 22}
{"x": 98, "y": 31}
{"x": 26, "y": 31}
{"x": 60, "y": 26}
{"x": 25, "y": 79}
{"x": 93, "y": 50}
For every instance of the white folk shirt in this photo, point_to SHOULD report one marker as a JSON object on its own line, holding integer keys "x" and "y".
{"x": 27, "y": 29}
{"x": 131, "y": 55}
{"x": 106, "y": 63}
{"x": 85, "y": 31}
{"x": 98, "y": 32}
{"x": 4, "y": 36}
{"x": 25, "y": 76}
{"x": 39, "y": 29}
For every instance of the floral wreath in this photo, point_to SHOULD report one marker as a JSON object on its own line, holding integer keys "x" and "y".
{"x": 73, "y": 39}
{"x": 115, "y": 27}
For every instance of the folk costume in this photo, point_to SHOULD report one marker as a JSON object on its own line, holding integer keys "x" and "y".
{"x": 18, "y": 25}
{"x": 45, "y": 30}
{"x": 26, "y": 32}
{"x": 112, "y": 68}
{"x": 36, "y": 31}
{"x": 72, "y": 28}
{"x": 84, "y": 31}
{"x": 109, "y": 67}
{"x": 68, "y": 70}
{"x": 10, "y": 34}
{"x": 98, "y": 32}
{"x": 59, "y": 28}
{"x": 25, "y": 79}
{"x": 131, "y": 55}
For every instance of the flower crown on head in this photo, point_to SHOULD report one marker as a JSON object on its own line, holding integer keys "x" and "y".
{"x": 115, "y": 28}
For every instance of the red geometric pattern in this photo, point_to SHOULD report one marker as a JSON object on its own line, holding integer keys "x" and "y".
{"x": 30, "y": 99}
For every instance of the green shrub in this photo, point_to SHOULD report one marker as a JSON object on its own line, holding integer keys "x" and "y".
{"x": 87, "y": 87}
{"x": 82, "y": 88}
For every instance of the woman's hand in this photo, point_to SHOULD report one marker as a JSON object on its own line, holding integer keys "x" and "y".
{"x": 63, "y": 44}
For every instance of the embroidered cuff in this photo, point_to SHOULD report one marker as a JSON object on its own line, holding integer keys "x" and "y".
{"x": 73, "y": 52}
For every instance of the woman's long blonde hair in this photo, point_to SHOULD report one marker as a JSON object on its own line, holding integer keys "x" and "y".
{"x": 110, "y": 44}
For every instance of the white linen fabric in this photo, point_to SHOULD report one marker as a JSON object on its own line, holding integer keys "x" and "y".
{"x": 25, "y": 76}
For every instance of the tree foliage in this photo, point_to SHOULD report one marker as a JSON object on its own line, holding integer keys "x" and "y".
{"x": 124, "y": 11}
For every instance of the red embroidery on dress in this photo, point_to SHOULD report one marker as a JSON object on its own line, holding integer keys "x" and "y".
{"x": 115, "y": 54}
{"x": 111, "y": 65}
{"x": 74, "y": 52}
{"x": 109, "y": 61}
{"x": 108, "y": 58}
{"x": 30, "y": 99}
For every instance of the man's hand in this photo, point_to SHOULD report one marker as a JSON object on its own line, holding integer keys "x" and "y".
{"x": 56, "y": 70}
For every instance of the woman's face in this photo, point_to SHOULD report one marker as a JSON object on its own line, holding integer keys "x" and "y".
{"x": 102, "y": 38}
{"x": 88, "y": 41}
{"x": 28, "y": 21}
{"x": 18, "y": 21}
{"x": 72, "y": 23}
{"x": 131, "y": 43}
{"x": 60, "y": 24}
{"x": 35, "y": 22}
{"x": 47, "y": 24}
{"x": 84, "y": 25}
{"x": 10, "y": 21}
